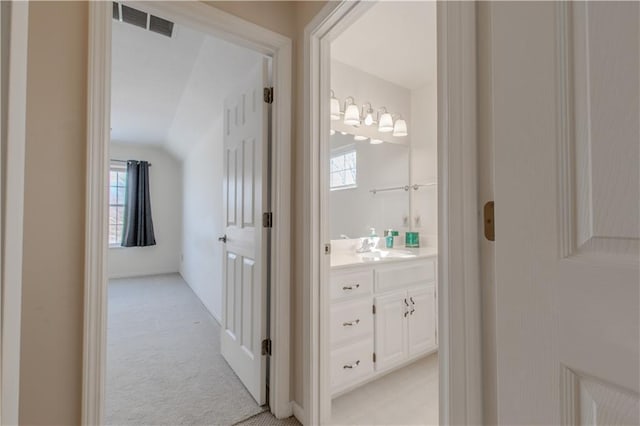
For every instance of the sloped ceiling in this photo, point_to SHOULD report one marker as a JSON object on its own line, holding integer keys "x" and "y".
{"x": 393, "y": 40}
{"x": 168, "y": 92}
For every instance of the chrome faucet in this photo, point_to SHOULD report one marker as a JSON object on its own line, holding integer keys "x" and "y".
{"x": 366, "y": 245}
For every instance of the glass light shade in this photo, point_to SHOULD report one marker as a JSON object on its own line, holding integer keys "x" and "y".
{"x": 375, "y": 141}
{"x": 332, "y": 132}
{"x": 368, "y": 120}
{"x": 360, "y": 138}
{"x": 335, "y": 108}
{"x": 400, "y": 128}
{"x": 343, "y": 133}
{"x": 352, "y": 115}
{"x": 386, "y": 123}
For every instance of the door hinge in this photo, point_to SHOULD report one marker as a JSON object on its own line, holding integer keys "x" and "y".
{"x": 489, "y": 222}
{"x": 268, "y": 95}
{"x": 327, "y": 248}
{"x": 373, "y": 309}
{"x": 267, "y": 220}
{"x": 374, "y": 357}
{"x": 266, "y": 347}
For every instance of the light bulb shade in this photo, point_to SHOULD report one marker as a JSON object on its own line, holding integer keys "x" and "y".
{"x": 375, "y": 141}
{"x": 368, "y": 120}
{"x": 360, "y": 138}
{"x": 335, "y": 108}
{"x": 400, "y": 128}
{"x": 352, "y": 115}
{"x": 386, "y": 123}
{"x": 332, "y": 132}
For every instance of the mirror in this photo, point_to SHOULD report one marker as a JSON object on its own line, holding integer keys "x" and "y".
{"x": 362, "y": 178}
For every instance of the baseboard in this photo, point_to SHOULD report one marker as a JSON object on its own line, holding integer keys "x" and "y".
{"x": 141, "y": 274}
{"x": 298, "y": 412}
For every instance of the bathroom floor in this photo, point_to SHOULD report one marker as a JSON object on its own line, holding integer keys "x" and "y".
{"x": 408, "y": 396}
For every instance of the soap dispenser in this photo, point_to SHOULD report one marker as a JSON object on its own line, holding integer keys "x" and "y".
{"x": 374, "y": 238}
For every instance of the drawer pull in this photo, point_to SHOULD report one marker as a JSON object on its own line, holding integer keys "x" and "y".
{"x": 350, "y": 287}
{"x": 350, "y": 323}
{"x": 354, "y": 365}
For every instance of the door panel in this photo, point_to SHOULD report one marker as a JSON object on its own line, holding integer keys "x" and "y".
{"x": 245, "y": 251}
{"x": 422, "y": 315}
{"x": 566, "y": 108}
{"x": 390, "y": 329}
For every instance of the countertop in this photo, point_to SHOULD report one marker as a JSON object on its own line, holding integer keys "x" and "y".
{"x": 346, "y": 258}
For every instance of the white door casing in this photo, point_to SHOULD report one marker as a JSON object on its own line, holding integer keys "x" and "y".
{"x": 245, "y": 250}
{"x": 421, "y": 324}
{"x": 566, "y": 112}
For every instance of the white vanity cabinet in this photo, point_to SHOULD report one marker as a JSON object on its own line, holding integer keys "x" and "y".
{"x": 383, "y": 316}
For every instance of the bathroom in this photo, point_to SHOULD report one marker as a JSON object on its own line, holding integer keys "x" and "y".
{"x": 383, "y": 203}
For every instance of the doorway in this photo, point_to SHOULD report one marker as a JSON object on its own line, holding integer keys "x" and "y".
{"x": 210, "y": 22}
{"x": 455, "y": 271}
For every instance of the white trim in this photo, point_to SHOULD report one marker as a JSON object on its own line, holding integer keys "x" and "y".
{"x": 458, "y": 285}
{"x": 298, "y": 412}
{"x": 14, "y": 212}
{"x": 213, "y": 21}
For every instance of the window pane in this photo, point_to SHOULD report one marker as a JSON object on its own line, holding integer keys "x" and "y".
{"x": 350, "y": 160}
{"x": 113, "y": 215}
{"x": 113, "y": 177}
{"x": 337, "y": 163}
{"x": 350, "y": 177}
{"x": 112, "y": 234}
{"x": 120, "y": 215}
{"x": 113, "y": 195}
{"x": 121, "y": 195}
{"x": 122, "y": 178}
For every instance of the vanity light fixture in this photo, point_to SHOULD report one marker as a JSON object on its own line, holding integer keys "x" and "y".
{"x": 376, "y": 141}
{"x": 360, "y": 138}
{"x": 335, "y": 107}
{"x": 351, "y": 112}
{"x": 400, "y": 128}
{"x": 368, "y": 114}
{"x": 332, "y": 132}
{"x": 385, "y": 123}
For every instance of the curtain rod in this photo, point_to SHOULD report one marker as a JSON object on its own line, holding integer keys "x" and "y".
{"x": 113, "y": 160}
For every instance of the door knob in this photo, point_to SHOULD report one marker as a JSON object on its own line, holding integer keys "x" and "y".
{"x": 223, "y": 238}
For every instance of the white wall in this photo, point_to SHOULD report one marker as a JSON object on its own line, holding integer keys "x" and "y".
{"x": 165, "y": 187}
{"x": 424, "y": 162}
{"x": 202, "y": 225}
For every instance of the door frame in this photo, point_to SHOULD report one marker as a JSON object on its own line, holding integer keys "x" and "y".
{"x": 459, "y": 302}
{"x": 13, "y": 107}
{"x": 213, "y": 21}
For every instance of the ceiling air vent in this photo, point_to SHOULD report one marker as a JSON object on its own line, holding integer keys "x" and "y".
{"x": 142, "y": 19}
{"x": 160, "y": 26}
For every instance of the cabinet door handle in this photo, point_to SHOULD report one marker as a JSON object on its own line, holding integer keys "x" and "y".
{"x": 354, "y": 365}
{"x": 406, "y": 311}
{"x": 350, "y": 287}
{"x": 351, "y": 323}
{"x": 413, "y": 306}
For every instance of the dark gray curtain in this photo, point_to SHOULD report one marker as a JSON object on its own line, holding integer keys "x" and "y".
{"x": 138, "y": 225}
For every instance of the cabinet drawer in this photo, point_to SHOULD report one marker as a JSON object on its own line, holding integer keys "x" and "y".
{"x": 351, "y": 364}
{"x": 346, "y": 284}
{"x": 405, "y": 274}
{"x": 351, "y": 320}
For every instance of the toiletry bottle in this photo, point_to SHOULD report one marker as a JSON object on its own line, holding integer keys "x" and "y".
{"x": 374, "y": 237}
{"x": 388, "y": 237}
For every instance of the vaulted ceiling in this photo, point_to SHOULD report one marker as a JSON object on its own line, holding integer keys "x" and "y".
{"x": 169, "y": 91}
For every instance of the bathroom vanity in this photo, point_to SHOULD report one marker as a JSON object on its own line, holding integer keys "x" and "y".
{"x": 383, "y": 312}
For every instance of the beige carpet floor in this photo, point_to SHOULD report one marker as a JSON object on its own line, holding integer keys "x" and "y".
{"x": 267, "y": 419}
{"x": 163, "y": 359}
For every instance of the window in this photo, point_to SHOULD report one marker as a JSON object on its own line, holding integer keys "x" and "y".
{"x": 343, "y": 169}
{"x": 117, "y": 195}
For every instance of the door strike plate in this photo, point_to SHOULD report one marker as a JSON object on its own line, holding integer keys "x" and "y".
{"x": 489, "y": 222}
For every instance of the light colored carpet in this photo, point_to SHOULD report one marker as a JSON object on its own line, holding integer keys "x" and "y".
{"x": 163, "y": 359}
{"x": 268, "y": 419}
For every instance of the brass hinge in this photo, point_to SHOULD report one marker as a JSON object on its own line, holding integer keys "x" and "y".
{"x": 267, "y": 220}
{"x": 373, "y": 309}
{"x": 489, "y": 222}
{"x": 327, "y": 248}
{"x": 268, "y": 95}
{"x": 266, "y": 347}
{"x": 374, "y": 357}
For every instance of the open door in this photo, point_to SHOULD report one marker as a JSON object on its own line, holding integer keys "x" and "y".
{"x": 245, "y": 193}
{"x": 566, "y": 111}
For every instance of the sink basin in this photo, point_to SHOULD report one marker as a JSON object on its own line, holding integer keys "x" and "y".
{"x": 387, "y": 254}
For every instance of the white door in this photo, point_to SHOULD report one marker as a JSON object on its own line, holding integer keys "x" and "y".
{"x": 245, "y": 249}
{"x": 391, "y": 329}
{"x": 565, "y": 105}
{"x": 422, "y": 319}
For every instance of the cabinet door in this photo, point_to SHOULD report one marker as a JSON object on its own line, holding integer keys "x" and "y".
{"x": 422, "y": 319}
{"x": 391, "y": 329}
